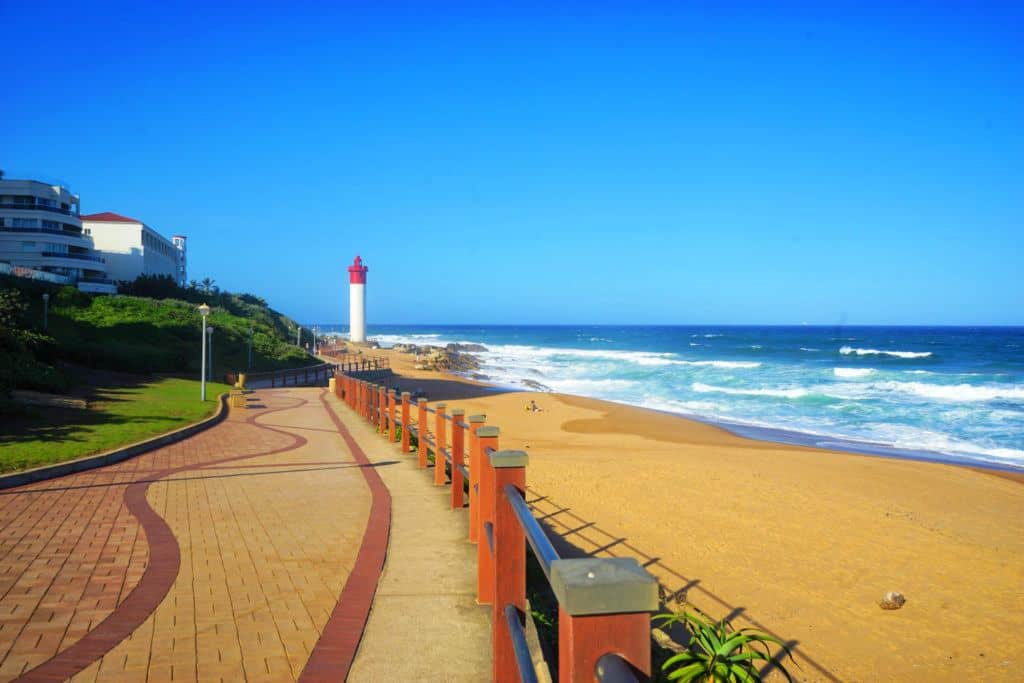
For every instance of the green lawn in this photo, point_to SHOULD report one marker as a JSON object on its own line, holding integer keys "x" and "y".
{"x": 122, "y": 409}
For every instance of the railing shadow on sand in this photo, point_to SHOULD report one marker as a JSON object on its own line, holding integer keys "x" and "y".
{"x": 589, "y": 540}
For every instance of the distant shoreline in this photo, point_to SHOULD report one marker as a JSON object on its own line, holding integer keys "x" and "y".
{"x": 790, "y": 437}
{"x": 763, "y": 434}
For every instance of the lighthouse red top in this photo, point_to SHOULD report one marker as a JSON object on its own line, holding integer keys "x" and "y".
{"x": 357, "y": 272}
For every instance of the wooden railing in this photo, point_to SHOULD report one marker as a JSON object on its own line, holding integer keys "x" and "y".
{"x": 604, "y": 604}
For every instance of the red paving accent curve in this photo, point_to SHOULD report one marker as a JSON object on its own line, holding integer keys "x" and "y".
{"x": 334, "y": 652}
{"x": 156, "y": 581}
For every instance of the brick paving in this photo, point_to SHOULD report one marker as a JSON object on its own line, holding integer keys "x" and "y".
{"x": 221, "y": 557}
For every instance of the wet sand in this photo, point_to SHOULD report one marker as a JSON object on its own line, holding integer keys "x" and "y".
{"x": 799, "y": 541}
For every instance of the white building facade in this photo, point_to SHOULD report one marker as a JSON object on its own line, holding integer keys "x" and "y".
{"x": 131, "y": 248}
{"x": 41, "y": 232}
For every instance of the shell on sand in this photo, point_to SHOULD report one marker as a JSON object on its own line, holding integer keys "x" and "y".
{"x": 892, "y": 600}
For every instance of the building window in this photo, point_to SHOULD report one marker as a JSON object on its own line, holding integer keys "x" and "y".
{"x": 53, "y": 225}
{"x": 26, "y": 223}
{"x": 87, "y": 231}
{"x": 28, "y": 246}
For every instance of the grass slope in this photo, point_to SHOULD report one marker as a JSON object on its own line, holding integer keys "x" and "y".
{"x": 122, "y": 409}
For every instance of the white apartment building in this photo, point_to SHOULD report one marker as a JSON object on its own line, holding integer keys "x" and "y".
{"x": 179, "y": 243}
{"x": 132, "y": 248}
{"x": 41, "y": 232}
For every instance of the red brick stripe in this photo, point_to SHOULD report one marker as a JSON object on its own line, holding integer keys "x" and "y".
{"x": 156, "y": 581}
{"x": 333, "y": 653}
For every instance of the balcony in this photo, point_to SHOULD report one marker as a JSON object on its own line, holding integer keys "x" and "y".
{"x": 81, "y": 257}
{"x": 51, "y": 231}
{"x": 97, "y": 280}
{"x": 38, "y": 207}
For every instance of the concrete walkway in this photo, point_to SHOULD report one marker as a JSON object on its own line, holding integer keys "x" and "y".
{"x": 250, "y": 551}
{"x": 425, "y": 624}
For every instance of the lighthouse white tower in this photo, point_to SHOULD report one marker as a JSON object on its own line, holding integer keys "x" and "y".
{"x": 357, "y": 301}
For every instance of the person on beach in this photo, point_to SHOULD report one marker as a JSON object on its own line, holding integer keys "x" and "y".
{"x": 532, "y": 407}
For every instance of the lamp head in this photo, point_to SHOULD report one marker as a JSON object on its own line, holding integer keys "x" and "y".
{"x": 46, "y": 296}
{"x": 204, "y": 310}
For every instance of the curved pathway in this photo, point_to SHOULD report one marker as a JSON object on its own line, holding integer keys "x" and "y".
{"x": 249, "y": 551}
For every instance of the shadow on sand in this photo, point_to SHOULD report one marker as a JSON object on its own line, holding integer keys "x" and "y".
{"x": 441, "y": 389}
{"x": 573, "y": 536}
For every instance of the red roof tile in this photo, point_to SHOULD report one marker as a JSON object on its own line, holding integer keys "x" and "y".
{"x": 108, "y": 217}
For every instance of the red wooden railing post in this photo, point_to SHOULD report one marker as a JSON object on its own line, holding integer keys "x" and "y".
{"x": 405, "y": 422}
{"x": 382, "y": 411}
{"x": 421, "y": 432}
{"x": 604, "y": 606}
{"x": 486, "y": 440}
{"x": 507, "y": 468}
{"x": 458, "y": 440}
{"x": 392, "y": 415}
{"x": 475, "y": 423}
{"x": 439, "y": 439}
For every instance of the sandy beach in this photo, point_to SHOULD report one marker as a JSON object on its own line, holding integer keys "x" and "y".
{"x": 798, "y": 541}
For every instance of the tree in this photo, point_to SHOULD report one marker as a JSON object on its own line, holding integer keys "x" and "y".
{"x": 207, "y": 284}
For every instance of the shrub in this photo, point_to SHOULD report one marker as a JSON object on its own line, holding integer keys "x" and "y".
{"x": 719, "y": 653}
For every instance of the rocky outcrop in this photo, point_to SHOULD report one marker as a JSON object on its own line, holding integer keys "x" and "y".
{"x": 469, "y": 348}
{"x": 442, "y": 359}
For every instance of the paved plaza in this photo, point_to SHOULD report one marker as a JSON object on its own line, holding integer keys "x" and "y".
{"x": 255, "y": 550}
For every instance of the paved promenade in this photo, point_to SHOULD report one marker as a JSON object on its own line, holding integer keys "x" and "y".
{"x": 251, "y": 551}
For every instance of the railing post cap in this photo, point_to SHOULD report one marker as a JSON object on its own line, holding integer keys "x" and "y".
{"x": 421, "y": 401}
{"x": 440, "y": 406}
{"x": 458, "y": 412}
{"x": 500, "y": 459}
{"x": 406, "y": 394}
{"x": 490, "y": 431}
{"x": 477, "y": 418}
{"x": 614, "y": 585}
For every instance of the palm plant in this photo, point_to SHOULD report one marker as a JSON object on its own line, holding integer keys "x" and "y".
{"x": 207, "y": 284}
{"x": 718, "y": 653}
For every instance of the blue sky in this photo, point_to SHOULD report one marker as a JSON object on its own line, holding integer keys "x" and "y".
{"x": 596, "y": 163}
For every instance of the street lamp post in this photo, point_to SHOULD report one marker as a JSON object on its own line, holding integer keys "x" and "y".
{"x": 46, "y": 309}
{"x": 209, "y": 331}
{"x": 204, "y": 311}
{"x": 251, "y": 332}
{"x": 298, "y": 336}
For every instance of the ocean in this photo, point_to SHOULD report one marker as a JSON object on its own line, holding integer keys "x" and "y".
{"x": 952, "y": 394}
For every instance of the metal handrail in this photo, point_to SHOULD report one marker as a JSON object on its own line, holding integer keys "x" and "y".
{"x": 464, "y": 470}
{"x": 414, "y": 430}
{"x": 527, "y": 672}
{"x": 535, "y": 536}
{"x": 38, "y": 207}
{"x": 289, "y": 371}
{"x": 80, "y": 257}
{"x": 489, "y": 529}
{"x": 50, "y": 231}
{"x": 446, "y": 455}
{"x": 611, "y": 668}
{"x": 462, "y": 424}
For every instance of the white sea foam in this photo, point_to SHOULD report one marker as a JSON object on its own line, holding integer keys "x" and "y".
{"x": 702, "y": 388}
{"x": 852, "y": 372}
{"x": 847, "y": 350}
{"x": 804, "y": 348}
{"x": 737, "y": 364}
{"x": 589, "y": 387}
{"x": 954, "y": 392}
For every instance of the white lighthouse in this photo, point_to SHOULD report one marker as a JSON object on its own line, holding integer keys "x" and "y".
{"x": 357, "y": 301}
